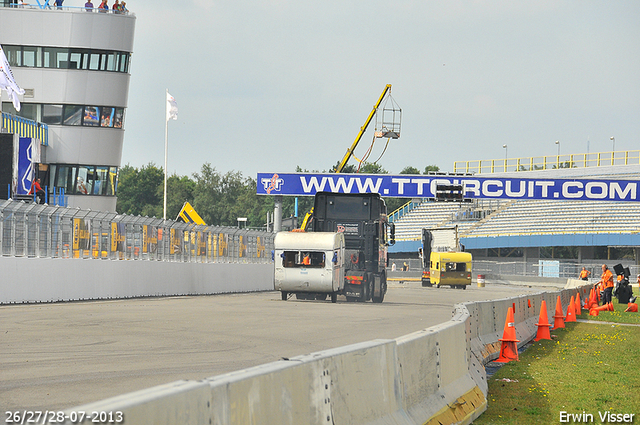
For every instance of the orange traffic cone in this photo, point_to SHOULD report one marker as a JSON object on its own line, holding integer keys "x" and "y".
{"x": 571, "y": 314}
{"x": 610, "y": 307}
{"x": 587, "y": 300}
{"x": 631, "y": 308}
{"x": 543, "y": 325}
{"x": 558, "y": 316}
{"x": 593, "y": 299}
{"x": 578, "y": 305}
{"x": 593, "y": 312}
{"x": 604, "y": 307}
{"x": 509, "y": 346}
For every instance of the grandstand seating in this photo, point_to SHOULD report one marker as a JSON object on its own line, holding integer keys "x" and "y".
{"x": 489, "y": 219}
{"x": 525, "y": 217}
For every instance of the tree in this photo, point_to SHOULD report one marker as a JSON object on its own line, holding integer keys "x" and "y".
{"x": 347, "y": 169}
{"x": 431, "y": 168}
{"x": 138, "y": 190}
{"x": 372, "y": 168}
{"x": 180, "y": 189}
{"x": 410, "y": 170}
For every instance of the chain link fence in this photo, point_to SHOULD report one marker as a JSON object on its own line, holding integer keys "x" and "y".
{"x": 33, "y": 230}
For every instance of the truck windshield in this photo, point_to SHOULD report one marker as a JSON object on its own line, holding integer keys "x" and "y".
{"x": 354, "y": 208}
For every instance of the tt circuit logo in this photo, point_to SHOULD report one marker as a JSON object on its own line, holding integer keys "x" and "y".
{"x": 274, "y": 183}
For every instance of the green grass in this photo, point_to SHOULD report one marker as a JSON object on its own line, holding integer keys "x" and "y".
{"x": 586, "y": 368}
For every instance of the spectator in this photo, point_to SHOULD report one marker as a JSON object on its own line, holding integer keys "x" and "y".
{"x": 39, "y": 191}
{"x": 116, "y": 7}
{"x": 123, "y": 7}
{"x": 584, "y": 274}
{"x": 606, "y": 280}
{"x": 58, "y": 4}
{"x": 88, "y": 6}
{"x": 104, "y": 7}
{"x": 405, "y": 267}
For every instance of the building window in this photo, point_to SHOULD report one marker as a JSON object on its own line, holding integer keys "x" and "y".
{"x": 107, "y": 117}
{"x": 52, "y": 114}
{"x": 98, "y": 180}
{"x": 94, "y": 116}
{"x": 64, "y": 58}
{"x": 91, "y": 114}
{"x": 72, "y": 115}
{"x": 65, "y": 178}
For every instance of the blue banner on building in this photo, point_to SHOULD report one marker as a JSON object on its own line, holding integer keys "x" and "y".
{"x": 418, "y": 186}
{"x": 24, "y": 167}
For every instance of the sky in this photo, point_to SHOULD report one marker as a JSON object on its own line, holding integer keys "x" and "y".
{"x": 270, "y": 85}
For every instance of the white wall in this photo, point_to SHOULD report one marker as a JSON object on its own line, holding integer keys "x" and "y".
{"x": 26, "y": 280}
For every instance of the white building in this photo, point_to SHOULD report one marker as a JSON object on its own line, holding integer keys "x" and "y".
{"x": 74, "y": 66}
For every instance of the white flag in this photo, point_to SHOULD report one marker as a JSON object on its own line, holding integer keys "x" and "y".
{"x": 172, "y": 108}
{"x": 7, "y": 81}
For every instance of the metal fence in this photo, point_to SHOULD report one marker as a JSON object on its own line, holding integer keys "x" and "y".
{"x": 33, "y": 230}
{"x": 539, "y": 268}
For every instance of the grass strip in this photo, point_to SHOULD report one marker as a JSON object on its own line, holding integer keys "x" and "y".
{"x": 586, "y": 373}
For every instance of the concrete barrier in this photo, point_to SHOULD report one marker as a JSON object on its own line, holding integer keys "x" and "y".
{"x": 435, "y": 376}
{"x": 54, "y": 279}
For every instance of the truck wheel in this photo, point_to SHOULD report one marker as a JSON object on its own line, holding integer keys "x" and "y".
{"x": 463, "y": 286}
{"x": 284, "y": 296}
{"x": 383, "y": 289}
{"x": 321, "y": 297}
{"x": 334, "y": 297}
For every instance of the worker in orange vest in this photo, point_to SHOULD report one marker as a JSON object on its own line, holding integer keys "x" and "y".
{"x": 606, "y": 282}
{"x": 584, "y": 274}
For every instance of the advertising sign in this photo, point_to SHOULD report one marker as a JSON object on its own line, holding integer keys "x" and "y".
{"x": 27, "y": 155}
{"x": 474, "y": 187}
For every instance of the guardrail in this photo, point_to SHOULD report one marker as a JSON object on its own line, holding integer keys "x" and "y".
{"x": 434, "y": 376}
{"x": 44, "y": 231}
{"x": 580, "y": 160}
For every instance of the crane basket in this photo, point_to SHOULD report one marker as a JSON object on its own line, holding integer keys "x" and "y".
{"x": 388, "y": 122}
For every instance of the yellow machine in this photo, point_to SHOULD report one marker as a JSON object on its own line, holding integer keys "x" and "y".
{"x": 189, "y": 215}
{"x": 451, "y": 268}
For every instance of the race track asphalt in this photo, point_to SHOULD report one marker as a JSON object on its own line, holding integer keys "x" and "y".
{"x": 62, "y": 355}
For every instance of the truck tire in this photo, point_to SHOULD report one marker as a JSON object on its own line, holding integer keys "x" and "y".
{"x": 334, "y": 297}
{"x": 284, "y": 296}
{"x": 383, "y": 289}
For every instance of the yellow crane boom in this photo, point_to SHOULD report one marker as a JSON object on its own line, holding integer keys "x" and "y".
{"x": 363, "y": 129}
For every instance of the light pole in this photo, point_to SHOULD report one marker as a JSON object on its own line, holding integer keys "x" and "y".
{"x": 613, "y": 149}
{"x": 505, "y": 157}
{"x": 558, "y": 143}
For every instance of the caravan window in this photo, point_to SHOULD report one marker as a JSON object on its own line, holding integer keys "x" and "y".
{"x": 456, "y": 267}
{"x": 309, "y": 259}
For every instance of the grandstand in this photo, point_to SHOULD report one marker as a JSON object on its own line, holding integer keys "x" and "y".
{"x": 525, "y": 226}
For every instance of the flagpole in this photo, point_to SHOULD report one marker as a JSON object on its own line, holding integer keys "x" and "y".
{"x": 166, "y": 145}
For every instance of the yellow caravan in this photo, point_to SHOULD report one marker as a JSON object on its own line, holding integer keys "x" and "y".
{"x": 451, "y": 268}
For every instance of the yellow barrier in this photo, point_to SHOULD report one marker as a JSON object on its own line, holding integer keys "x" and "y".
{"x": 580, "y": 160}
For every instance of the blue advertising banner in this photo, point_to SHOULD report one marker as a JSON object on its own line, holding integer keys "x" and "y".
{"x": 25, "y": 165}
{"x": 418, "y": 186}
